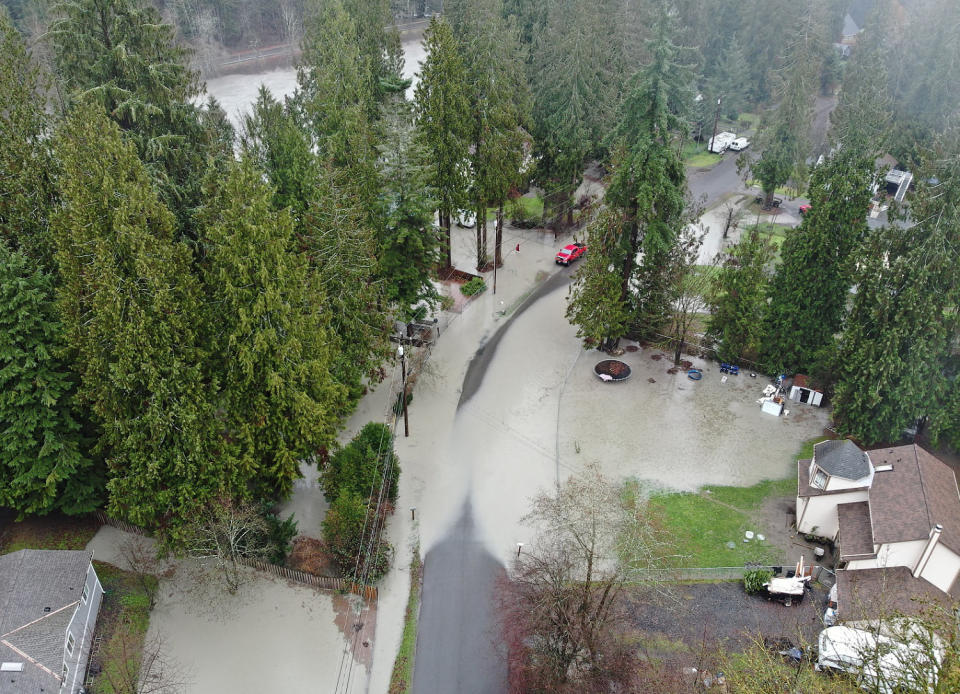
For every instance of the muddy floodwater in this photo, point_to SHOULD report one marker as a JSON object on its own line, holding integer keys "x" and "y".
{"x": 678, "y": 433}
{"x": 236, "y": 93}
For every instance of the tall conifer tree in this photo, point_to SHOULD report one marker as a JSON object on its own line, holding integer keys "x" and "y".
{"x": 130, "y": 305}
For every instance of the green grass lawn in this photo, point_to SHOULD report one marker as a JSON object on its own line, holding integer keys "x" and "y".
{"x": 695, "y": 154}
{"x": 401, "y": 679}
{"x": 701, "y": 526}
{"x": 122, "y": 624}
{"x": 529, "y": 208}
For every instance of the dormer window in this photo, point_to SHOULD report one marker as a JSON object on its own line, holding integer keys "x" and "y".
{"x": 820, "y": 479}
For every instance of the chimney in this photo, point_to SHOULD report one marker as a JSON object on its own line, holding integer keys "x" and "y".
{"x": 925, "y": 555}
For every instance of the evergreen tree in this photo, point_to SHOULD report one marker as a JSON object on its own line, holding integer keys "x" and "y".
{"x": 864, "y": 114}
{"x": 272, "y": 138}
{"x": 443, "y": 124}
{"x": 649, "y": 182}
{"x": 43, "y": 466}
{"x": 808, "y": 296}
{"x": 121, "y": 55}
{"x": 409, "y": 246}
{"x": 130, "y": 307}
{"x": 379, "y": 48}
{"x": 498, "y": 100}
{"x": 26, "y": 190}
{"x": 574, "y": 90}
{"x": 738, "y": 300}
{"x": 903, "y": 322}
{"x": 332, "y": 232}
{"x": 336, "y": 102}
{"x": 595, "y": 304}
{"x": 731, "y": 80}
{"x": 268, "y": 343}
{"x": 783, "y": 142}
{"x": 341, "y": 250}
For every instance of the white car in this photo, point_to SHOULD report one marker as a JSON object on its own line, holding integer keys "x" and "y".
{"x": 467, "y": 220}
{"x": 740, "y": 144}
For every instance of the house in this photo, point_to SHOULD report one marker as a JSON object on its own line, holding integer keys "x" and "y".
{"x": 894, "y": 514}
{"x": 49, "y": 600}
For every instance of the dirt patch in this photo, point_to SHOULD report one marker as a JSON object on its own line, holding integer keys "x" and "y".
{"x": 631, "y": 348}
{"x": 777, "y": 517}
{"x": 456, "y": 276}
{"x": 311, "y": 556}
{"x": 55, "y": 531}
{"x": 656, "y": 357}
{"x": 357, "y": 621}
{"x": 706, "y": 615}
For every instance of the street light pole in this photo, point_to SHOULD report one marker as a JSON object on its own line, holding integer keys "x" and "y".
{"x": 403, "y": 390}
{"x": 716, "y": 121}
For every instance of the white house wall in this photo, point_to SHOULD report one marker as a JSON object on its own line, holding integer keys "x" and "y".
{"x": 81, "y": 626}
{"x": 942, "y": 568}
{"x": 858, "y": 564}
{"x": 818, "y": 514}
{"x": 900, "y": 554}
{"x": 835, "y": 483}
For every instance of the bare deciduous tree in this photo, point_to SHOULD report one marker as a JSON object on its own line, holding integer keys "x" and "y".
{"x": 689, "y": 285}
{"x": 561, "y": 606}
{"x": 226, "y": 532}
{"x": 135, "y": 665}
{"x": 140, "y": 557}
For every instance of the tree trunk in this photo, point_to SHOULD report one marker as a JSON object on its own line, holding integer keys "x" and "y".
{"x": 498, "y": 256}
{"x": 447, "y": 257}
{"x": 630, "y": 258}
{"x": 482, "y": 260}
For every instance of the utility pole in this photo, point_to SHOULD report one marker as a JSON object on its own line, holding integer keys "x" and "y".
{"x": 403, "y": 391}
{"x": 716, "y": 121}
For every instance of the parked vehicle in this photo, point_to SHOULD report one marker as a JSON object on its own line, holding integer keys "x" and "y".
{"x": 879, "y": 663}
{"x": 570, "y": 253}
{"x": 719, "y": 143}
{"x": 740, "y": 144}
{"x": 776, "y": 202}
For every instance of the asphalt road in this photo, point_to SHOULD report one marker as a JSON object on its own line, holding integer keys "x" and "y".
{"x": 458, "y": 644}
{"x": 709, "y": 185}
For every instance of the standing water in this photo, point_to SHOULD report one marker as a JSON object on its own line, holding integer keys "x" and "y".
{"x": 236, "y": 93}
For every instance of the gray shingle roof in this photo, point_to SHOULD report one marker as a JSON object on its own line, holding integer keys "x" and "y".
{"x": 841, "y": 458}
{"x": 31, "y": 580}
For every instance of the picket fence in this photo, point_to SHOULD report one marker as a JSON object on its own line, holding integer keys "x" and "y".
{"x": 342, "y": 585}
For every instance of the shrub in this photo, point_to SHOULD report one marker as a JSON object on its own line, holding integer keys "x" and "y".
{"x": 343, "y": 531}
{"x": 754, "y": 579}
{"x": 474, "y": 286}
{"x": 279, "y": 539}
{"x": 359, "y": 466}
{"x": 446, "y": 302}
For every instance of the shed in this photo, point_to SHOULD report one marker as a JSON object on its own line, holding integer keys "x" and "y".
{"x": 803, "y": 391}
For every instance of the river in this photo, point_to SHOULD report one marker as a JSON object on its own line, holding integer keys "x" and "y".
{"x": 237, "y": 92}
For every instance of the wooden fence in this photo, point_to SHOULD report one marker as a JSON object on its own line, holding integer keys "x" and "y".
{"x": 368, "y": 593}
{"x": 821, "y": 574}
{"x": 121, "y": 524}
